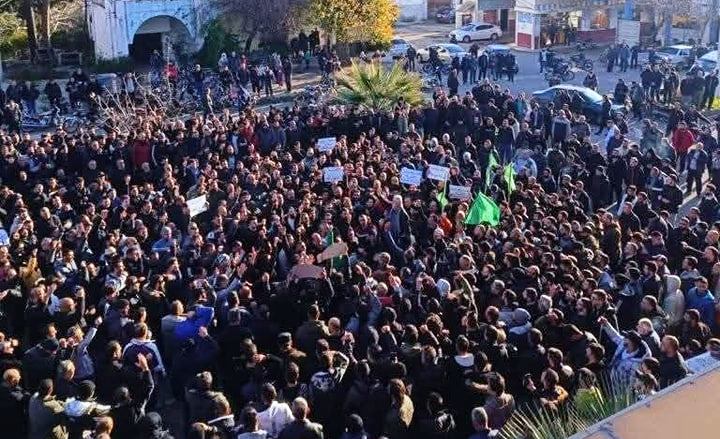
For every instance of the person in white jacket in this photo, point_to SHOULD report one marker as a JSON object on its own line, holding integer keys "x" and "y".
{"x": 630, "y": 353}
{"x": 277, "y": 414}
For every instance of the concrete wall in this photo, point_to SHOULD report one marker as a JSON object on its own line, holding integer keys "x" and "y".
{"x": 413, "y": 10}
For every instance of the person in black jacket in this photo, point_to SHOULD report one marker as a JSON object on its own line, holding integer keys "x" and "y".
{"x": 672, "y": 364}
{"x": 13, "y": 405}
{"x": 672, "y": 197}
{"x": 437, "y": 423}
{"x": 301, "y": 427}
{"x": 129, "y": 408}
{"x": 40, "y": 362}
{"x": 453, "y": 83}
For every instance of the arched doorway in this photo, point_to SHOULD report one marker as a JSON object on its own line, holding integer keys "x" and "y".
{"x": 162, "y": 33}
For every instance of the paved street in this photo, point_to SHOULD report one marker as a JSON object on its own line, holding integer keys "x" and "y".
{"x": 528, "y": 79}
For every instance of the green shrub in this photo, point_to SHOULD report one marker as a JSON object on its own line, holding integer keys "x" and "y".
{"x": 13, "y": 43}
{"x": 217, "y": 41}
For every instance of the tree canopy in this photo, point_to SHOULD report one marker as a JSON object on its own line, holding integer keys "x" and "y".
{"x": 356, "y": 20}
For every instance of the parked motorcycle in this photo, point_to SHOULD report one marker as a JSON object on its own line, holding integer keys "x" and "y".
{"x": 562, "y": 71}
{"x": 582, "y": 62}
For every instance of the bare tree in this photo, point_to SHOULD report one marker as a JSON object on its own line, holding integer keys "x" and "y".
{"x": 263, "y": 17}
{"x": 703, "y": 11}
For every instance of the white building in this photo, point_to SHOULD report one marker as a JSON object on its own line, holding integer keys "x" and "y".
{"x": 413, "y": 10}
{"x": 137, "y": 27}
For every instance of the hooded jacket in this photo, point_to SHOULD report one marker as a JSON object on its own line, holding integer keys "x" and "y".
{"x": 704, "y": 303}
{"x": 673, "y": 301}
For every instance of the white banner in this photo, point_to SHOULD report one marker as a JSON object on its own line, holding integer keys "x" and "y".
{"x": 326, "y": 144}
{"x": 440, "y": 173}
{"x": 459, "y": 192}
{"x": 410, "y": 176}
{"x": 333, "y": 173}
{"x": 197, "y": 205}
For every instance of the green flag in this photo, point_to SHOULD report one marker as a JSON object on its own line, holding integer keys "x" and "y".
{"x": 509, "y": 176}
{"x": 442, "y": 197}
{"x": 483, "y": 210}
{"x": 489, "y": 171}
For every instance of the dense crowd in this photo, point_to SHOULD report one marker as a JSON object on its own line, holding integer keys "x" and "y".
{"x": 123, "y": 298}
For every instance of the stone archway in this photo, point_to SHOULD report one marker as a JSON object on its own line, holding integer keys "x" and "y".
{"x": 164, "y": 33}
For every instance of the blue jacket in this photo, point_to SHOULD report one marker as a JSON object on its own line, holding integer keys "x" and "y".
{"x": 189, "y": 328}
{"x": 705, "y": 304}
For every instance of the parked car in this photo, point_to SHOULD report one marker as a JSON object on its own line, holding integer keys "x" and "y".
{"x": 592, "y": 108}
{"x": 446, "y": 52}
{"x": 476, "y": 31}
{"x": 446, "y": 14}
{"x": 398, "y": 48}
{"x": 708, "y": 62}
{"x": 677, "y": 55}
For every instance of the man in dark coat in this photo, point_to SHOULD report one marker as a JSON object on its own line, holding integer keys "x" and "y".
{"x": 40, "y": 362}
{"x": 301, "y": 427}
{"x": 13, "y": 405}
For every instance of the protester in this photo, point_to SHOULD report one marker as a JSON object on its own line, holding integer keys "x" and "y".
{"x": 464, "y": 251}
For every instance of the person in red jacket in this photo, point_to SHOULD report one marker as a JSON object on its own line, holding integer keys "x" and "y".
{"x": 682, "y": 140}
{"x": 141, "y": 151}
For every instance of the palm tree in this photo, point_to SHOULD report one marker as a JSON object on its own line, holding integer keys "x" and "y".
{"x": 612, "y": 395}
{"x": 375, "y": 87}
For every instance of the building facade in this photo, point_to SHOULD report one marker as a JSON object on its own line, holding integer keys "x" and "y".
{"x": 540, "y": 23}
{"x": 136, "y": 28}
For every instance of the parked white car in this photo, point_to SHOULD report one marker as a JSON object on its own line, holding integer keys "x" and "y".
{"x": 476, "y": 31}
{"x": 398, "y": 48}
{"x": 677, "y": 54}
{"x": 446, "y": 52}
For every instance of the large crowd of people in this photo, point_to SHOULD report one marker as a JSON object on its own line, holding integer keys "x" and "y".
{"x": 205, "y": 268}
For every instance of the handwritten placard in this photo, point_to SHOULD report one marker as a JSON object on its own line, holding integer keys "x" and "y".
{"x": 410, "y": 176}
{"x": 440, "y": 173}
{"x": 459, "y": 192}
{"x": 326, "y": 144}
{"x": 197, "y": 205}
{"x": 332, "y": 174}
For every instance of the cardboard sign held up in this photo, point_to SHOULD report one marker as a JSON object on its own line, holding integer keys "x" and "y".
{"x": 459, "y": 192}
{"x": 440, "y": 173}
{"x": 326, "y": 144}
{"x": 197, "y": 205}
{"x": 333, "y": 251}
{"x": 305, "y": 271}
{"x": 410, "y": 176}
{"x": 332, "y": 174}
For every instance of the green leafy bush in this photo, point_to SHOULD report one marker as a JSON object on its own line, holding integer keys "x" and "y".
{"x": 217, "y": 41}
{"x": 13, "y": 37}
